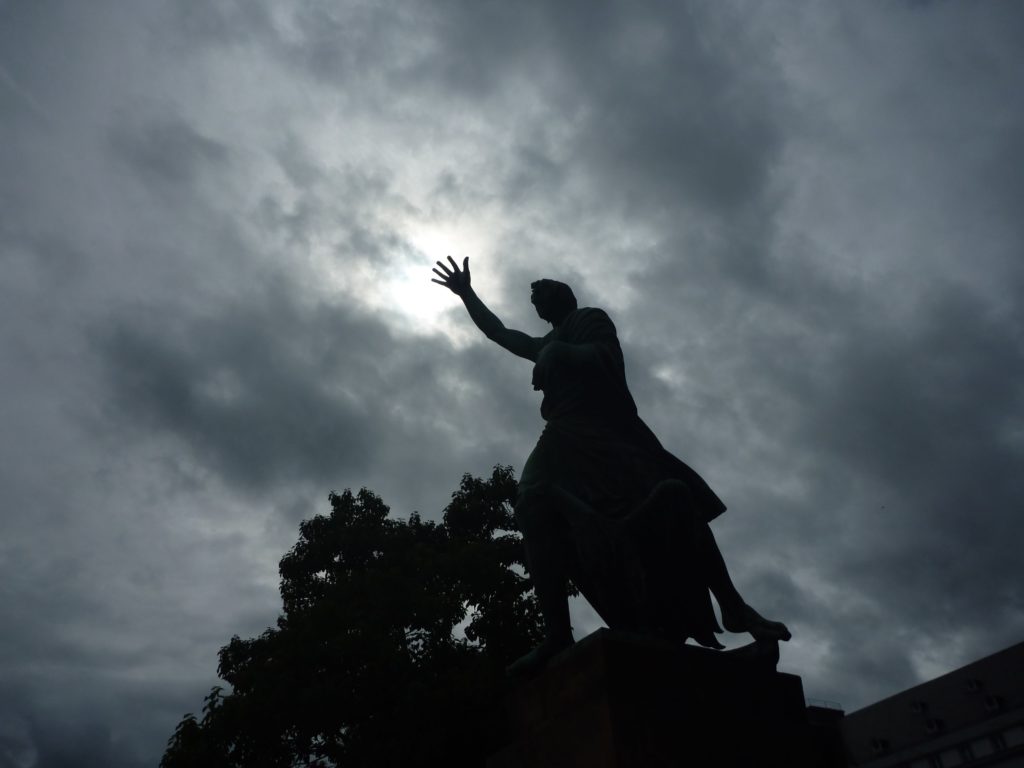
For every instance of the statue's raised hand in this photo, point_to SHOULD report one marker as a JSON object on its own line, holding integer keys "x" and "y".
{"x": 454, "y": 279}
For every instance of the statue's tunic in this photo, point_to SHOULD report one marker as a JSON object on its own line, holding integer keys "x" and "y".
{"x": 594, "y": 444}
{"x": 638, "y": 574}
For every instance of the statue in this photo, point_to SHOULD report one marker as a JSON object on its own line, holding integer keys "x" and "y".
{"x": 600, "y": 501}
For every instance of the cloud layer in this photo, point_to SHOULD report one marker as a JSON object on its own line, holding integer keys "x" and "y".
{"x": 216, "y": 228}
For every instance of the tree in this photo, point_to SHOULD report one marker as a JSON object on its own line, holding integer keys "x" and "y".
{"x": 365, "y": 666}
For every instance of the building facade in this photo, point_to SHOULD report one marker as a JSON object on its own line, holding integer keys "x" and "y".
{"x": 972, "y": 716}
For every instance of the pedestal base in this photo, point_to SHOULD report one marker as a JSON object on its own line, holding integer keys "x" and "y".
{"x": 617, "y": 700}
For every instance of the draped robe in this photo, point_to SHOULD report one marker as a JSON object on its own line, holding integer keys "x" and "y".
{"x": 639, "y": 565}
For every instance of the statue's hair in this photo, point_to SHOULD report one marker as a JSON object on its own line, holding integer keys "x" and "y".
{"x": 563, "y": 300}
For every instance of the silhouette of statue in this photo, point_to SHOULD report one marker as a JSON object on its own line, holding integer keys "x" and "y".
{"x": 600, "y": 501}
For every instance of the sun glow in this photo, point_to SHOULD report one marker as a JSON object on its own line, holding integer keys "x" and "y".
{"x": 398, "y": 288}
{"x": 424, "y": 303}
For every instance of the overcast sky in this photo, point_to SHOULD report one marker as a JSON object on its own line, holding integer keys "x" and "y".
{"x": 217, "y": 221}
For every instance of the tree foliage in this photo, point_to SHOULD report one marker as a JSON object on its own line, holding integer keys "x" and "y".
{"x": 365, "y": 666}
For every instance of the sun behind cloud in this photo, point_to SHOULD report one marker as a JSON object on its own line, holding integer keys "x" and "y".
{"x": 424, "y": 304}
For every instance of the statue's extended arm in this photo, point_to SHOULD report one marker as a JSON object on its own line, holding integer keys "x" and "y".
{"x": 458, "y": 282}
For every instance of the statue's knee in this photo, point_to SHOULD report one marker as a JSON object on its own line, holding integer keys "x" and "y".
{"x": 674, "y": 491}
{"x": 533, "y": 495}
{"x": 531, "y": 503}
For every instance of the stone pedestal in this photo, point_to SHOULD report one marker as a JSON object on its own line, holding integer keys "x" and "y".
{"x": 617, "y": 700}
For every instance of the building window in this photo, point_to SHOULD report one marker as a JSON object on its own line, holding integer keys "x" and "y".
{"x": 982, "y": 747}
{"x": 951, "y": 758}
{"x": 1014, "y": 736}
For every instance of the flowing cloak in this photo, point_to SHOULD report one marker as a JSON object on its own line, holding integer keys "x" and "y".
{"x": 637, "y": 564}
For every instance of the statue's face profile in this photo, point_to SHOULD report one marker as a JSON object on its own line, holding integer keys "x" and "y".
{"x": 552, "y": 300}
{"x": 540, "y": 297}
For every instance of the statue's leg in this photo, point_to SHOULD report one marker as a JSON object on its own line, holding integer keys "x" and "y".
{"x": 737, "y": 616}
{"x": 545, "y": 538}
{"x": 719, "y": 581}
{"x": 682, "y": 570}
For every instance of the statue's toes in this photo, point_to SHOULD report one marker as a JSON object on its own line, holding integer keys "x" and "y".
{"x": 708, "y": 641}
{"x": 770, "y": 630}
{"x": 758, "y": 626}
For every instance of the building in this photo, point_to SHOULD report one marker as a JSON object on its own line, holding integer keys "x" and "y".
{"x": 972, "y": 717}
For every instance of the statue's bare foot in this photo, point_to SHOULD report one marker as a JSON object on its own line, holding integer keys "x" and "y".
{"x": 746, "y": 619}
{"x": 708, "y": 640}
{"x": 534, "y": 661}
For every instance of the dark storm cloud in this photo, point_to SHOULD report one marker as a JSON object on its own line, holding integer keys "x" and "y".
{"x": 273, "y": 392}
{"x": 79, "y": 745}
{"x": 69, "y": 735}
{"x": 170, "y": 152}
{"x": 903, "y": 440}
{"x": 928, "y": 413}
{"x": 246, "y": 391}
{"x": 674, "y": 124}
{"x": 663, "y": 122}
{"x": 343, "y": 205}
{"x": 656, "y": 120}
{"x": 212, "y": 24}
{"x": 462, "y": 50}
{"x": 666, "y": 108}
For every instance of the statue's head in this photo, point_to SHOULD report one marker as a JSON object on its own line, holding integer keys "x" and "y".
{"x": 552, "y": 299}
